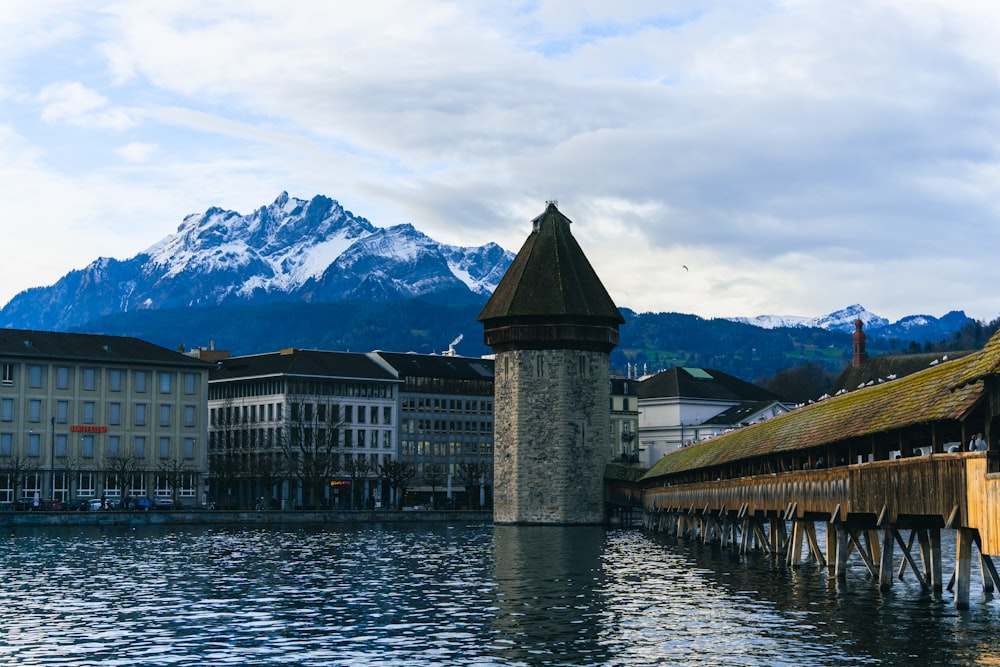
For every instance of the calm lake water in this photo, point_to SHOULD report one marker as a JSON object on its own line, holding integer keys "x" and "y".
{"x": 452, "y": 594}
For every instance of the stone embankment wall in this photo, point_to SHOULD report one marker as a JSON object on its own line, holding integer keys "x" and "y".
{"x": 215, "y": 517}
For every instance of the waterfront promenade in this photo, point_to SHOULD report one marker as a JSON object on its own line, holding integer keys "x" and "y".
{"x": 220, "y": 517}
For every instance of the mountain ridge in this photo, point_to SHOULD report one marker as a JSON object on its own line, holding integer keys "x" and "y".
{"x": 290, "y": 250}
{"x": 298, "y": 251}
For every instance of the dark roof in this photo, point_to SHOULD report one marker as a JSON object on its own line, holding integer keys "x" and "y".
{"x": 439, "y": 366}
{"x": 89, "y": 347}
{"x": 878, "y": 368}
{"x": 738, "y": 414}
{"x": 946, "y": 391}
{"x": 704, "y": 383}
{"x": 550, "y": 276}
{"x": 303, "y": 363}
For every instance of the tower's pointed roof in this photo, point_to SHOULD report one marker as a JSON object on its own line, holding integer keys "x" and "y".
{"x": 551, "y": 277}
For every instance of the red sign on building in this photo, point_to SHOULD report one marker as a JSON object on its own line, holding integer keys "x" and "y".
{"x": 86, "y": 428}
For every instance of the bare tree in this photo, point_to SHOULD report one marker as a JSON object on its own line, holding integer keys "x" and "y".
{"x": 225, "y": 459}
{"x": 120, "y": 470}
{"x": 18, "y": 468}
{"x": 472, "y": 474}
{"x": 397, "y": 475}
{"x": 71, "y": 467}
{"x": 310, "y": 450}
{"x": 357, "y": 468}
{"x": 174, "y": 472}
{"x": 434, "y": 476}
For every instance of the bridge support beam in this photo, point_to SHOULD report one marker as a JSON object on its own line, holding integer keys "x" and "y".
{"x": 963, "y": 566}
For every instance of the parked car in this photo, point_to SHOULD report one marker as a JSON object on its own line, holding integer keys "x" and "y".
{"x": 80, "y": 504}
{"x": 164, "y": 504}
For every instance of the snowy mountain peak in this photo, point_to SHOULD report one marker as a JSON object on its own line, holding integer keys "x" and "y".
{"x": 843, "y": 320}
{"x": 292, "y": 249}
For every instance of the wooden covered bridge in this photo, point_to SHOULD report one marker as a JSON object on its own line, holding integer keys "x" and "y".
{"x": 871, "y": 464}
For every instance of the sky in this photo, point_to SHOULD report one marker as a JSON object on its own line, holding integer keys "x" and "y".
{"x": 716, "y": 158}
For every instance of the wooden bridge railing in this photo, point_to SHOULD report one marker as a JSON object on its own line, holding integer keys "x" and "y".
{"x": 936, "y": 488}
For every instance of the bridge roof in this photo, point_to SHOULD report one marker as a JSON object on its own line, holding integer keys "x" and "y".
{"x": 945, "y": 391}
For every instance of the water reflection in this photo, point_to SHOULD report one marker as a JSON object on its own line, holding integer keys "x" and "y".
{"x": 451, "y": 595}
{"x": 549, "y": 595}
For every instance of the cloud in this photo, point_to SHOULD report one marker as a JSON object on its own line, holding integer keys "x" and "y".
{"x": 73, "y": 103}
{"x": 788, "y": 152}
{"x": 137, "y": 151}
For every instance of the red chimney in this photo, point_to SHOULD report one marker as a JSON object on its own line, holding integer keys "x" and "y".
{"x": 860, "y": 355}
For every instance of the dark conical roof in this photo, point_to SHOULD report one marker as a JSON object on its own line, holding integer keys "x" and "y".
{"x": 550, "y": 277}
{"x": 551, "y": 295}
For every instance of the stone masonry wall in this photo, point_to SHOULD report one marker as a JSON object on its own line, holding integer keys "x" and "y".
{"x": 551, "y": 430}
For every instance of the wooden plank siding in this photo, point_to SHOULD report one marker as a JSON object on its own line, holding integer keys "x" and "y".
{"x": 983, "y": 504}
{"x": 920, "y": 489}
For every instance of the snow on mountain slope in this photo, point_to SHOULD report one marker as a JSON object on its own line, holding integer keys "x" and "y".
{"x": 290, "y": 250}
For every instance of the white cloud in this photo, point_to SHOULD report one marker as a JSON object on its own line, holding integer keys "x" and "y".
{"x": 73, "y": 103}
{"x": 137, "y": 151}
{"x": 791, "y": 150}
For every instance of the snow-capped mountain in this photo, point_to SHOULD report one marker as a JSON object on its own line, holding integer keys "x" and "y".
{"x": 922, "y": 327}
{"x": 291, "y": 250}
{"x": 840, "y": 320}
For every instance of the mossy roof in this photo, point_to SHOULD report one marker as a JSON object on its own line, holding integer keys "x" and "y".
{"x": 945, "y": 391}
{"x": 551, "y": 277}
{"x": 881, "y": 367}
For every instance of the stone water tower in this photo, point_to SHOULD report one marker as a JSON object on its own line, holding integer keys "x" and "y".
{"x": 552, "y": 326}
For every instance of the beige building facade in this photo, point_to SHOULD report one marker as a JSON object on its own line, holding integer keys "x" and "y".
{"x": 99, "y": 417}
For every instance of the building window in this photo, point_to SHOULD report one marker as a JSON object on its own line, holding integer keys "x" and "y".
{"x": 140, "y": 381}
{"x": 361, "y": 437}
{"x": 7, "y": 409}
{"x": 386, "y": 439}
{"x": 190, "y": 383}
{"x": 115, "y": 380}
{"x": 35, "y": 376}
{"x": 189, "y": 448}
{"x": 361, "y": 414}
{"x": 7, "y": 373}
{"x": 88, "y": 412}
{"x": 164, "y": 415}
{"x": 387, "y": 415}
{"x": 34, "y": 444}
{"x": 34, "y": 410}
{"x": 62, "y": 412}
{"x": 89, "y": 379}
{"x": 189, "y": 415}
{"x": 87, "y": 446}
{"x": 62, "y": 377}
{"x": 348, "y": 413}
{"x": 6, "y": 444}
{"x": 114, "y": 445}
{"x": 140, "y": 414}
{"x": 165, "y": 382}
{"x": 114, "y": 414}
{"x": 61, "y": 443}
{"x": 85, "y": 484}
{"x": 140, "y": 447}
{"x": 164, "y": 448}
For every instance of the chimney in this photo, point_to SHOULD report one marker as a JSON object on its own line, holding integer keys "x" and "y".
{"x": 860, "y": 355}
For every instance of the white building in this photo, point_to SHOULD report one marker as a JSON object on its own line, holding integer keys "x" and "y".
{"x": 301, "y": 428}
{"x": 677, "y": 407}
